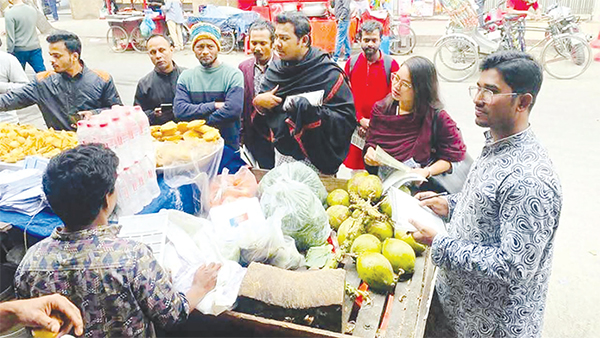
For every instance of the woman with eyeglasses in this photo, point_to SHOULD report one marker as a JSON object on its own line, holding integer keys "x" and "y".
{"x": 402, "y": 123}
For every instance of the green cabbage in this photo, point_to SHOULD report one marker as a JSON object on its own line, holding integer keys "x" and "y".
{"x": 304, "y": 217}
{"x": 294, "y": 171}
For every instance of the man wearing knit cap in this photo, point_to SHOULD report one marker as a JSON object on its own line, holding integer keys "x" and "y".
{"x": 212, "y": 91}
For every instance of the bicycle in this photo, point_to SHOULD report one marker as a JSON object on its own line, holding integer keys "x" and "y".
{"x": 566, "y": 53}
{"x": 124, "y": 32}
{"x": 402, "y": 39}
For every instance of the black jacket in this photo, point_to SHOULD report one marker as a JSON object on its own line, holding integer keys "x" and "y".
{"x": 320, "y": 133}
{"x": 155, "y": 89}
{"x": 60, "y": 96}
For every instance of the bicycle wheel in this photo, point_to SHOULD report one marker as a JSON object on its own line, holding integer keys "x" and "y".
{"x": 138, "y": 41}
{"x": 402, "y": 39}
{"x": 185, "y": 34}
{"x": 456, "y": 59}
{"x": 227, "y": 41}
{"x": 117, "y": 39}
{"x": 566, "y": 56}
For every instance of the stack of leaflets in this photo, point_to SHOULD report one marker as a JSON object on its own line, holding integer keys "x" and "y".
{"x": 21, "y": 191}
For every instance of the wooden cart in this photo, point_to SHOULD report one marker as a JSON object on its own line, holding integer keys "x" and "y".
{"x": 405, "y": 310}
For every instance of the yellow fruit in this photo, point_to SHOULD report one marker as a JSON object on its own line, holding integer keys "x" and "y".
{"x": 337, "y": 214}
{"x": 345, "y": 229}
{"x": 400, "y": 254}
{"x": 370, "y": 187}
{"x": 409, "y": 239}
{"x": 352, "y": 185}
{"x": 365, "y": 243}
{"x": 374, "y": 269}
{"x": 338, "y": 197}
{"x": 386, "y": 207}
{"x": 381, "y": 229}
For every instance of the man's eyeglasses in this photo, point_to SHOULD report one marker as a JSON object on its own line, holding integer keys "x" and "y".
{"x": 486, "y": 95}
{"x": 396, "y": 78}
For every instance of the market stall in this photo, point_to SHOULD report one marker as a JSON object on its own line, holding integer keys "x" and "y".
{"x": 302, "y": 254}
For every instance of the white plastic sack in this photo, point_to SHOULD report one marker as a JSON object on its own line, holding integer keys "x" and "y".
{"x": 264, "y": 242}
{"x": 191, "y": 243}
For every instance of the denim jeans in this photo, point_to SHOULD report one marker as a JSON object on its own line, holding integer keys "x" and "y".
{"x": 53, "y": 8}
{"x": 342, "y": 39}
{"x": 33, "y": 57}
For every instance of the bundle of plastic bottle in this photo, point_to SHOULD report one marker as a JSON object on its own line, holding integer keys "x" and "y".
{"x": 126, "y": 131}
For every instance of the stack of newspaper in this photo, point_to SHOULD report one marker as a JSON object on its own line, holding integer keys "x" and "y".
{"x": 21, "y": 191}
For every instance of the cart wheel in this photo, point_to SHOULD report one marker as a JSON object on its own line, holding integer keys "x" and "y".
{"x": 456, "y": 59}
{"x": 566, "y": 56}
{"x": 227, "y": 42}
{"x": 117, "y": 39}
{"x": 402, "y": 39}
{"x": 185, "y": 34}
{"x": 138, "y": 41}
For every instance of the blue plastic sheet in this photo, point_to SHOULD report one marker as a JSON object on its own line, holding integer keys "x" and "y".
{"x": 226, "y": 19}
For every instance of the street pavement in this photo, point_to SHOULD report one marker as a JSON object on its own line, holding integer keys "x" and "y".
{"x": 566, "y": 118}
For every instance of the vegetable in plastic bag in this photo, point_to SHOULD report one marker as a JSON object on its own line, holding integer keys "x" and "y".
{"x": 294, "y": 171}
{"x": 227, "y": 188}
{"x": 305, "y": 219}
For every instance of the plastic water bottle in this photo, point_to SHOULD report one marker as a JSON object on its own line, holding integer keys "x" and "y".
{"x": 144, "y": 125}
{"x": 134, "y": 133}
{"x": 123, "y": 195}
{"x": 82, "y": 132}
{"x": 149, "y": 168}
{"x": 122, "y": 141}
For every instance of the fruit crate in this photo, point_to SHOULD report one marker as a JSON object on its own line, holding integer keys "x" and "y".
{"x": 402, "y": 313}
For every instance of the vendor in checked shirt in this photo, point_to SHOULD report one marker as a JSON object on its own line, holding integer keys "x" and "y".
{"x": 117, "y": 284}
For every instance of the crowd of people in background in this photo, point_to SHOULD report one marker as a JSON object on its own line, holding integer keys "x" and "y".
{"x": 292, "y": 102}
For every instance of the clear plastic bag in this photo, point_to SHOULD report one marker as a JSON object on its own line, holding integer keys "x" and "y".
{"x": 294, "y": 171}
{"x": 192, "y": 242}
{"x": 227, "y": 188}
{"x": 191, "y": 162}
{"x": 304, "y": 217}
{"x": 265, "y": 243}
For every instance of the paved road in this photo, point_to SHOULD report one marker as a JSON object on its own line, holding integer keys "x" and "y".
{"x": 567, "y": 120}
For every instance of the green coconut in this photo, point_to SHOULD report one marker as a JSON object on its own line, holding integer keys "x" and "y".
{"x": 374, "y": 269}
{"x": 410, "y": 240}
{"x": 352, "y": 185}
{"x": 370, "y": 187}
{"x": 386, "y": 207}
{"x": 337, "y": 214}
{"x": 400, "y": 254}
{"x": 338, "y": 197}
{"x": 381, "y": 229}
{"x": 366, "y": 243}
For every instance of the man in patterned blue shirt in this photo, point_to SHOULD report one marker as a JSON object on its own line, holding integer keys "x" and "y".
{"x": 494, "y": 263}
{"x": 120, "y": 288}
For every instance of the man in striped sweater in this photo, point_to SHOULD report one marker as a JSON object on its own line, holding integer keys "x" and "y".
{"x": 212, "y": 91}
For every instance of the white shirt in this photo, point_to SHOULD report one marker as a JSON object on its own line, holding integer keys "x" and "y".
{"x": 12, "y": 76}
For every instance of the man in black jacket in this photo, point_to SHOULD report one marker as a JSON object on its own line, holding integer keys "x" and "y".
{"x": 70, "y": 91}
{"x": 155, "y": 91}
{"x": 306, "y": 100}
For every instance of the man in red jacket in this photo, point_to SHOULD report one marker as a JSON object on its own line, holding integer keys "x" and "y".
{"x": 256, "y": 136}
{"x": 369, "y": 73}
